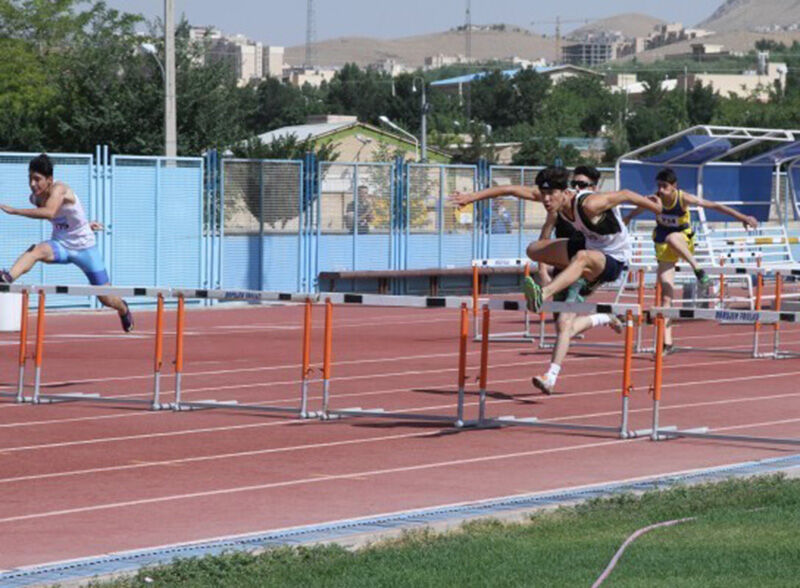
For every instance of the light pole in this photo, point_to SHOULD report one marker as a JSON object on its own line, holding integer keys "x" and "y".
{"x": 423, "y": 116}
{"x": 385, "y": 120}
{"x": 170, "y": 108}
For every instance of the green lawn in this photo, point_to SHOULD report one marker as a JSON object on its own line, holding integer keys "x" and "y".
{"x": 747, "y": 534}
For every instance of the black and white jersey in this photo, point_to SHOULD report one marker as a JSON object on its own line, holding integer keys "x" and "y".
{"x": 606, "y": 233}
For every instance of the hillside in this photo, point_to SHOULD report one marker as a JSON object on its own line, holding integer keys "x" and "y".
{"x": 413, "y": 50}
{"x": 748, "y": 15}
{"x": 630, "y": 25}
{"x": 736, "y": 41}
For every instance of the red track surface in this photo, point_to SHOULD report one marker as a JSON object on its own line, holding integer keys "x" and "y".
{"x": 84, "y": 479}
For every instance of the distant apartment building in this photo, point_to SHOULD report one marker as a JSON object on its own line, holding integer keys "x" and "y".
{"x": 391, "y": 67}
{"x": 250, "y": 60}
{"x": 595, "y": 48}
{"x": 442, "y": 60}
{"x": 759, "y": 82}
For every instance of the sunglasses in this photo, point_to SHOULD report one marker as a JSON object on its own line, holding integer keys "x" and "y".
{"x": 580, "y": 185}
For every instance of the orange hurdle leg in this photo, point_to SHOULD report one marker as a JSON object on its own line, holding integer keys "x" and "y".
{"x": 181, "y": 321}
{"x": 626, "y": 373}
{"x": 462, "y": 364}
{"x": 23, "y": 348}
{"x": 159, "y": 353}
{"x": 327, "y": 352}
{"x": 39, "y": 347}
{"x": 658, "y": 374}
{"x": 484, "y": 377}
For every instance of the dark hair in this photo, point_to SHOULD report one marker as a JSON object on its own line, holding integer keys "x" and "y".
{"x": 41, "y": 164}
{"x": 589, "y": 171}
{"x": 552, "y": 178}
{"x": 667, "y": 175}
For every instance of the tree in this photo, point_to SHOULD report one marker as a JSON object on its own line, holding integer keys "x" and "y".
{"x": 701, "y": 104}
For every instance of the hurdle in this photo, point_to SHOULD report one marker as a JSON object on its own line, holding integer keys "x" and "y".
{"x": 755, "y": 303}
{"x": 180, "y": 295}
{"x": 629, "y": 311}
{"x": 660, "y": 433}
{"x": 523, "y": 336}
{"x": 462, "y": 304}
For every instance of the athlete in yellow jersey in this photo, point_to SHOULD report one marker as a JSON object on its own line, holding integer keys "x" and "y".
{"x": 674, "y": 238}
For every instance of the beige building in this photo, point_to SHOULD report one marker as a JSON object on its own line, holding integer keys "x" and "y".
{"x": 273, "y": 62}
{"x": 313, "y": 76}
{"x": 743, "y": 85}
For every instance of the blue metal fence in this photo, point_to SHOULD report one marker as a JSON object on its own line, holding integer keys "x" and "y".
{"x": 271, "y": 224}
{"x": 151, "y": 208}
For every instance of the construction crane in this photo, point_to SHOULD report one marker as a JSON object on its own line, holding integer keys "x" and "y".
{"x": 558, "y": 22}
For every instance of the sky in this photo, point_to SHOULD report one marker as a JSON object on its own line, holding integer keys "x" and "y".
{"x": 283, "y": 22}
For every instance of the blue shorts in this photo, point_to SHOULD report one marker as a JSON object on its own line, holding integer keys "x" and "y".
{"x": 88, "y": 260}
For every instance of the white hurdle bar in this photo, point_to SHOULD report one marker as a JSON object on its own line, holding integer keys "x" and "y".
{"x": 630, "y": 311}
{"x": 659, "y": 433}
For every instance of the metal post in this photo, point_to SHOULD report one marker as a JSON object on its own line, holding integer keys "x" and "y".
{"x": 777, "y": 327}
{"x": 170, "y": 118}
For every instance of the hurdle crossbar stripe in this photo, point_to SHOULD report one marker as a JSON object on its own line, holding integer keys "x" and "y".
{"x": 576, "y": 307}
{"x": 397, "y": 301}
{"x": 730, "y": 316}
{"x": 509, "y": 262}
{"x": 70, "y": 290}
{"x": 716, "y": 270}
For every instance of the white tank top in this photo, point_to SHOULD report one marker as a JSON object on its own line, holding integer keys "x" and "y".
{"x": 70, "y": 225}
{"x": 609, "y": 236}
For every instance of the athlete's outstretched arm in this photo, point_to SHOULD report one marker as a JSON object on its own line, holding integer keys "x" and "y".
{"x": 523, "y": 192}
{"x": 595, "y": 204}
{"x": 633, "y": 214}
{"x": 747, "y": 221}
{"x": 46, "y": 212}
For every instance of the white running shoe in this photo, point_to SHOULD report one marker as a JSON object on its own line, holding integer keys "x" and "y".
{"x": 543, "y": 383}
{"x": 615, "y": 324}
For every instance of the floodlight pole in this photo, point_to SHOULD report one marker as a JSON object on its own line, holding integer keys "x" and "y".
{"x": 170, "y": 109}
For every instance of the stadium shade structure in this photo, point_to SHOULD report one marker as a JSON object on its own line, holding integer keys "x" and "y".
{"x": 717, "y": 163}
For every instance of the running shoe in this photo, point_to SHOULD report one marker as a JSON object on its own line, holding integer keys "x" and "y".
{"x": 615, "y": 324}
{"x": 126, "y": 319}
{"x": 5, "y": 277}
{"x": 533, "y": 294}
{"x": 544, "y": 384}
{"x": 702, "y": 278}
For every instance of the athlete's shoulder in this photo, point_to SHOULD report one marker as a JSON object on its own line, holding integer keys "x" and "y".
{"x": 64, "y": 190}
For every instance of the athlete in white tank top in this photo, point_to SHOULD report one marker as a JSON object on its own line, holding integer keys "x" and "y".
{"x": 72, "y": 239}
{"x": 70, "y": 225}
{"x": 608, "y": 235}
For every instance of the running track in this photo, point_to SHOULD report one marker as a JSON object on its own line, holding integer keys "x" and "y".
{"x": 82, "y": 479}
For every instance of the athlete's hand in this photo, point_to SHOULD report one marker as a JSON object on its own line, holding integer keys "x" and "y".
{"x": 7, "y": 209}
{"x": 750, "y": 222}
{"x": 461, "y": 199}
{"x": 96, "y": 226}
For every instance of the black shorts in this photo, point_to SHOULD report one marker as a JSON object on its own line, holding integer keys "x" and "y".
{"x": 612, "y": 269}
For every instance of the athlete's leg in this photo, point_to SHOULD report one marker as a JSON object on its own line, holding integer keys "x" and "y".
{"x": 35, "y": 253}
{"x": 552, "y": 252}
{"x": 586, "y": 263}
{"x": 666, "y": 277}
{"x": 91, "y": 263}
{"x": 678, "y": 242}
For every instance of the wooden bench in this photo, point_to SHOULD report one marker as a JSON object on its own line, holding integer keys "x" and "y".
{"x": 384, "y": 277}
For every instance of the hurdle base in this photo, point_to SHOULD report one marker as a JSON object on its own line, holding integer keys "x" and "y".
{"x": 382, "y": 413}
{"x": 702, "y": 433}
{"x": 96, "y": 398}
{"x": 672, "y": 432}
{"x": 233, "y": 404}
{"x": 534, "y": 422}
